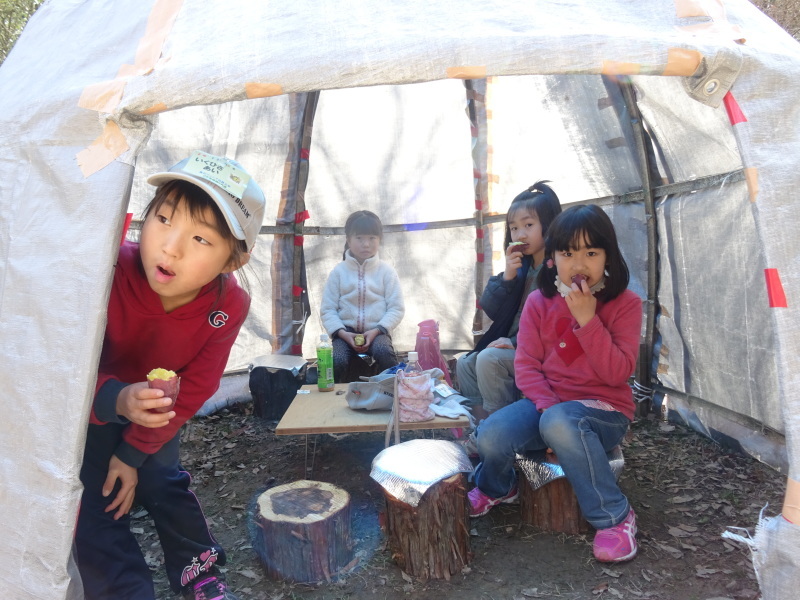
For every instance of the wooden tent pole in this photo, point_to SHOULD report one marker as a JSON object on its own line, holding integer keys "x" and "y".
{"x": 476, "y": 111}
{"x": 298, "y": 259}
{"x": 642, "y": 155}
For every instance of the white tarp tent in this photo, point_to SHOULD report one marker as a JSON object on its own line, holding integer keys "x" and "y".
{"x": 422, "y": 112}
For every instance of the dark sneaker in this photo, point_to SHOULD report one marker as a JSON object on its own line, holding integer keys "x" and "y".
{"x": 210, "y": 588}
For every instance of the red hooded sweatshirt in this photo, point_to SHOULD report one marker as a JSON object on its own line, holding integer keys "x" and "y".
{"x": 193, "y": 340}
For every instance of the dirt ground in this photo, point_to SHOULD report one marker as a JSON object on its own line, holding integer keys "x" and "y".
{"x": 686, "y": 491}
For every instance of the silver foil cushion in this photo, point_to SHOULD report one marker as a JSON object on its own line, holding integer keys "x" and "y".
{"x": 408, "y": 469}
{"x": 540, "y": 468}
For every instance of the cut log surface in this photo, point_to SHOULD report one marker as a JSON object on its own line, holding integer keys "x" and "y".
{"x": 431, "y": 540}
{"x": 305, "y": 531}
{"x": 552, "y": 507}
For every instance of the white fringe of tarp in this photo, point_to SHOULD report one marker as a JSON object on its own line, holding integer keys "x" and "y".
{"x": 776, "y": 560}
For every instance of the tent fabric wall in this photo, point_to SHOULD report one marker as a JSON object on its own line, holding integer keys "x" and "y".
{"x": 97, "y": 93}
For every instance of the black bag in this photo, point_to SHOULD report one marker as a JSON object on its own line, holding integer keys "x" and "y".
{"x": 273, "y": 391}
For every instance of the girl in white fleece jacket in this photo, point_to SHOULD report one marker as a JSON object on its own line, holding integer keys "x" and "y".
{"x": 362, "y": 302}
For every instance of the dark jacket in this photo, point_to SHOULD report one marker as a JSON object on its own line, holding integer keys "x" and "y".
{"x": 501, "y": 301}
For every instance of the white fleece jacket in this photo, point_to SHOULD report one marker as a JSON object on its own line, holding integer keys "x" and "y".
{"x": 362, "y": 296}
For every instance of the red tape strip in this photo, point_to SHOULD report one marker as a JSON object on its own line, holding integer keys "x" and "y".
{"x": 297, "y": 291}
{"x": 297, "y": 350}
{"x": 125, "y": 226}
{"x": 480, "y": 257}
{"x": 479, "y": 233}
{"x": 298, "y": 240}
{"x": 301, "y": 216}
{"x": 735, "y": 113}
{"x": 777, "y": 297}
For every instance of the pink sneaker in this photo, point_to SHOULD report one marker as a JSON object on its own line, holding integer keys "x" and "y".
{"x": 617, "y": 543}
{"x": 480, "y": 503}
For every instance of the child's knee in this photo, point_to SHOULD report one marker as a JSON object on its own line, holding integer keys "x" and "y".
{"x": 558, "y": 427}
{"x": 486, "y": 359}
{"x": 493, "y": 436}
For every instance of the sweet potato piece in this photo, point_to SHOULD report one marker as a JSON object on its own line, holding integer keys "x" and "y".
{"x": 168, "y": 382}
{"x": 577, "y": 279}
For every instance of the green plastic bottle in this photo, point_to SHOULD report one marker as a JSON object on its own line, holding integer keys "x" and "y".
{"x": 324, "y": 364}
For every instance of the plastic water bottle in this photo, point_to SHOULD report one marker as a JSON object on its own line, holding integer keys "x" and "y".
{"x": 325, "y": 364}
{"x": 413, "y": 368}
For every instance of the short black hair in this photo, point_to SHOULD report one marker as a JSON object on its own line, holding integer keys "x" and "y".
{"x": 197, "y": 201}
{"x": 565, "y": 233}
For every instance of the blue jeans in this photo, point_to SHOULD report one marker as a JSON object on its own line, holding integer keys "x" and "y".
{"x": 580, "y": 436}
{"x": 487, "y": 378}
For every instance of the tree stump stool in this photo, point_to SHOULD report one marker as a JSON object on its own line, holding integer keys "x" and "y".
{"x": 304, "y": 531}
{"x": 547, "y": 500}
{"x": 427, "y": 511}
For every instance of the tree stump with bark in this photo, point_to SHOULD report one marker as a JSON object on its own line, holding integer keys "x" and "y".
{"x": 431, "y": 540}
{"x": 547, "y": 499}
{"x": 552, "y": 507}
{"x": 304, "y": 531}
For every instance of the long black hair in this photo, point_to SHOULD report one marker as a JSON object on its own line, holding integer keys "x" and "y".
{"x": 361, "y": 222}
{"x": 539, "y": 199}
{"x": 566, "y": 233}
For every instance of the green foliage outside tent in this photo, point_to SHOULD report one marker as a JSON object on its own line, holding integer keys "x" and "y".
{"x": 785, "y": 13}
{"x": 13, "y": 16}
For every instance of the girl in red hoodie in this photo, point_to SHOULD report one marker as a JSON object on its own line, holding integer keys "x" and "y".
{"x": 576, "y": 349}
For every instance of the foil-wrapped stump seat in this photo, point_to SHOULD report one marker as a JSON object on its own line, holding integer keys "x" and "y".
{"x": 427, "y": 512}
{"x": 546, "y": 498}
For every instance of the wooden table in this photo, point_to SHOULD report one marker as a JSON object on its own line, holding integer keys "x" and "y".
{"x": 313, "y": 411}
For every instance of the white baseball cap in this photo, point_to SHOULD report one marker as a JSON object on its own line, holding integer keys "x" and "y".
{"x": 238, "y": 196}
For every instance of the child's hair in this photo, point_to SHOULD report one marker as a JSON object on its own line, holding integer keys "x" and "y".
{"x": 539, "y": 199}
{"x": 361, "y": 222}
{"x": 565, "y": 233}
{"x": 174, "y": 192}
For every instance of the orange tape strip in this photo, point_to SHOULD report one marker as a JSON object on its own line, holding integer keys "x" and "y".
{"x": 106, "y": 96}
{"x": 613, "y": 67}
{"x": 106, "y": 148}
{"x": 751, "y": 178}
{"x": 262, "y": 90}
{"x": 682, "y": 62}
{"x": 156, "y": 108}
{"x": 103, "y": 97}
{"x": 690, "y": 8}
{"x": 466, "y": 72}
